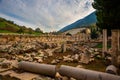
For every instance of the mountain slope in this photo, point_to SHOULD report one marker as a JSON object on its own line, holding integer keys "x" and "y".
{"x": 88, "y": 20}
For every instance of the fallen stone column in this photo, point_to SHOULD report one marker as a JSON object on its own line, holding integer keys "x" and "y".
{"x": 43, "y": 69}
{"x": 84, "y": 74}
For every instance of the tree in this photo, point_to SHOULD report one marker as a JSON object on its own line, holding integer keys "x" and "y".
{"x": 20, "y": 30}
{"x": 95, "y": 31}
{"x": 108, "y": 15}
{"x": 38, "y": 30}
{"x": 30, "y": 30}
{"x": 68, "y": 34}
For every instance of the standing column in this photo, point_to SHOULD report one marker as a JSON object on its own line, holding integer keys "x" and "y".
{"x": 119, "y": 39}
{"x": 115, "y": 46}
{"x": 104, "y": 41}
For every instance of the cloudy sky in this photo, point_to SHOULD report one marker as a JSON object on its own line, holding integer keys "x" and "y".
{"x": 49, "y": 15}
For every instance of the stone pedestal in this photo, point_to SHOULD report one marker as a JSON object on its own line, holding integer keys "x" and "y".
{"x": 115, "y": 46}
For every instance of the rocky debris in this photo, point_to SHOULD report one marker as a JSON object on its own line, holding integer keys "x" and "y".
{"x": 37, "y": 58}
{"x": 16, "y": 47}
{"x": 41, "y": 55}
{"x": 85, "y": 57}
{"x": 50, "y": 52}
{"x": 60, "y": 58}
{"x": 79, "y": 66}
{"x": 36, "y": 51}
{"x": 61, "y": 49}
{"x": 11, "y": 75}
{"x": 58, "y": 76}
{"x": 72, "y": 78}
{"x": 8, "y": 65}
{"x": 55, "y": 61}
{"x": 14, "y": 64}
{"x": 65, "y": 78}
{"x": 76, "y": 58}
{"x": 91, "y": 60}
{"x": 26, "y": 51}
{"x": 58, "y": 50}
{"x": 5, "y": 65}
{"x": 111, "y": 69}
{"x": 40, "y": 60}
{"x": 47, "y": 45}
{"x": 67, "y": 58}
{"x": 2, "y": 59}
{"x": 43, "y": 78}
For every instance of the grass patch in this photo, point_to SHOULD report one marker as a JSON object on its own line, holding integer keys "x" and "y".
{"x": 100, "y": 45}
{"x": 13, "y": 26}
{"x": 2, "y": 24}
{"x": 4, "y": 31}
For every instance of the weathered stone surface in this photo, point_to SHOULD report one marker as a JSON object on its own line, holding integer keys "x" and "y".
{"x": 43, "y": 78}
{"x": 44, "y": 69}
{"x": 72, "y": 78}
{"x": 85, "y": 58}
{"x": 41, "y": 55}
{"x": 79, "y": 66}
{"x": 11, "y": 75}
{"x": 76, "y": 57}
{"x": 111, "y": 69}
{"x": 40, "y": 60}
{"x": 58, "y": 50}
{"x": 66, "y": 59}
{"x": 2, "y": 59}
{"x": 58, "y": 76}
{"x": 63, "y": 47}
{"x": 65, "y": 78}
{"x": 84, "y": 74}
{"x": 53, "y": 62}
{"x": 5, "y": 64}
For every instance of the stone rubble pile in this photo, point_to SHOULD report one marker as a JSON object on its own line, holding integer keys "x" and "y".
{"x": 22, "y": 47}
{"x": 39, "y": 52}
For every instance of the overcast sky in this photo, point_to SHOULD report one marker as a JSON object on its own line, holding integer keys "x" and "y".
{"x": 49, "y": 15}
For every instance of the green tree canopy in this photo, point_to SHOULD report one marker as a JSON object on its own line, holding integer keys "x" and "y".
{"x": 20, "y": 30}
{"x": 38, "y": 30}
{"x": 108, "y": 13}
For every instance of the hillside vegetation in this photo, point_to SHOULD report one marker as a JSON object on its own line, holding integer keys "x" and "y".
{"x": 7, "y": 26}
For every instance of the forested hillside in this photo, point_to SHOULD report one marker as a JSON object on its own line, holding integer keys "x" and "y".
{"x": 7, "y": 26}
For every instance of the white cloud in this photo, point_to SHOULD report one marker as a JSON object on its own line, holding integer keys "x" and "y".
{"x": 48, "y": 14}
